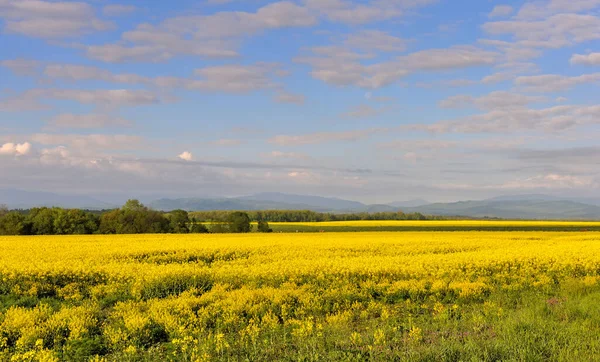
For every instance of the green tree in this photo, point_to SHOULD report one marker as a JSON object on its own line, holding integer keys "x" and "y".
{"x": 263, "y": 227}
{"x": 179, "y": 221}
{"x": 42, "y": 221}
{"x": 218, "y": 228}
{"x": 198, "y": 228}
{"x": 239, "y": 222}
{"x": 109, "y": 222}
{"x": 74, "y": 222}
{"x": 14, "y": 223}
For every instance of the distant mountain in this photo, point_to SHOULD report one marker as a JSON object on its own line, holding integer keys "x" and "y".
{"x": 525, "y": 197}
{"x": 379, "y": 208}
{"x": 195, "y": 204}
{"x": 529, "y": 206}
{"x": 514, "y": 209}
{"x": 327, "y": 203}
{"x": 18, "y": 199}
{"x": 409, "y": 203}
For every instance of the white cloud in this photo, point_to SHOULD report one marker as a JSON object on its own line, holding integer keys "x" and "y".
{"x": 287, "y": 155}
{"x": 491, "y": 101}
{"x": 80, "y": 73}
{"x": 509, "y": 71}
{"x": 352, "y": 13}
{"x": 110, "y": 97}
{"x": 21, "y": 66}
{"x": 375, "y": 40}
{"x": 587, "y": 59}
{"x": 321, "y": 137}
{"x": 235, "y": 78}
{"x": 68, "y": 120}
{"x": 344, "y": 69}
{"x": 551, "y": 181}
{"x": 553, "y": 32}
{"x": 186, "y": 156}
{"x": 554, "y": 82}
{"x": 210, "y": 36}
{"x": 15, "y": 149}
{"x": 49, "y": 19}
{"x": 91, "y": 143}
{"x": 506, "y": 120}
{"x": 118, "y": 10}
{"x": 501, "y": 11}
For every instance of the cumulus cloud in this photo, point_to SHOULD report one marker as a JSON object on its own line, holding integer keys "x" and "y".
{"x": 15, "y": 149}
{"x": 49, "y": 19}
{"x": 586, "y": 59}
{"x": 186, "y": 156}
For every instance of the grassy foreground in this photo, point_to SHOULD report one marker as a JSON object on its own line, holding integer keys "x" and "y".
{"x": 423, "y": 296}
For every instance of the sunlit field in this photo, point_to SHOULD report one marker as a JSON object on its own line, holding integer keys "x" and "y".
{"x": 436, "y": 225}
{"x": 380, "y": 296}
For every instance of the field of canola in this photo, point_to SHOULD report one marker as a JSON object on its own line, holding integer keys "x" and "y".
{"x": 374, "y": 296}
{"x": 435, "y": 225}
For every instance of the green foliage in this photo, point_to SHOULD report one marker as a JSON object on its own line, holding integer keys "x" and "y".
{"x": 263, "y": 227}
{"x": 218, "y": 228}
{"x": 179, "y": 221}
{"x": 309, "y": 216}
{"x": 198, "y": 228}
{"x": 14, "y": 223}
{"x": 239, "y": 222}
{"x": 134, "y": 218}
{"x": 42, "y": 221}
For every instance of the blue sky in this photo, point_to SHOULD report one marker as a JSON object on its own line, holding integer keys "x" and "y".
{"x": 369, "y": 100}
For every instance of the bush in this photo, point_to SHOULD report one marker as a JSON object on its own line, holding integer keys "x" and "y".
{"x": 239, "y": 222}
{"x": 263, "y": 227}
{"x": 199, "y": 229}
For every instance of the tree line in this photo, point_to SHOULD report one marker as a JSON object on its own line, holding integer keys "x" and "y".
{"x": 135, "y": 218}
{"x": 132, "y": 218}
{"x": 311, "y": 216}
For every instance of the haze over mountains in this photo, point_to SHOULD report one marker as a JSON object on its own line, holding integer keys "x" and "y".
{"x": 529, "y": 206}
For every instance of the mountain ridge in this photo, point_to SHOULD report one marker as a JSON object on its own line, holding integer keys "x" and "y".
{"x": 524, "y": 206}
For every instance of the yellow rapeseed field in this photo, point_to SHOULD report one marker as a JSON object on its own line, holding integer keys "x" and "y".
{"x": 441, "y": 223}
{"x": 323, "y": 296}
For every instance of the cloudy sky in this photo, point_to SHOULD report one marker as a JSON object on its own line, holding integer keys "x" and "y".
{"x": 374, "y": 101}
